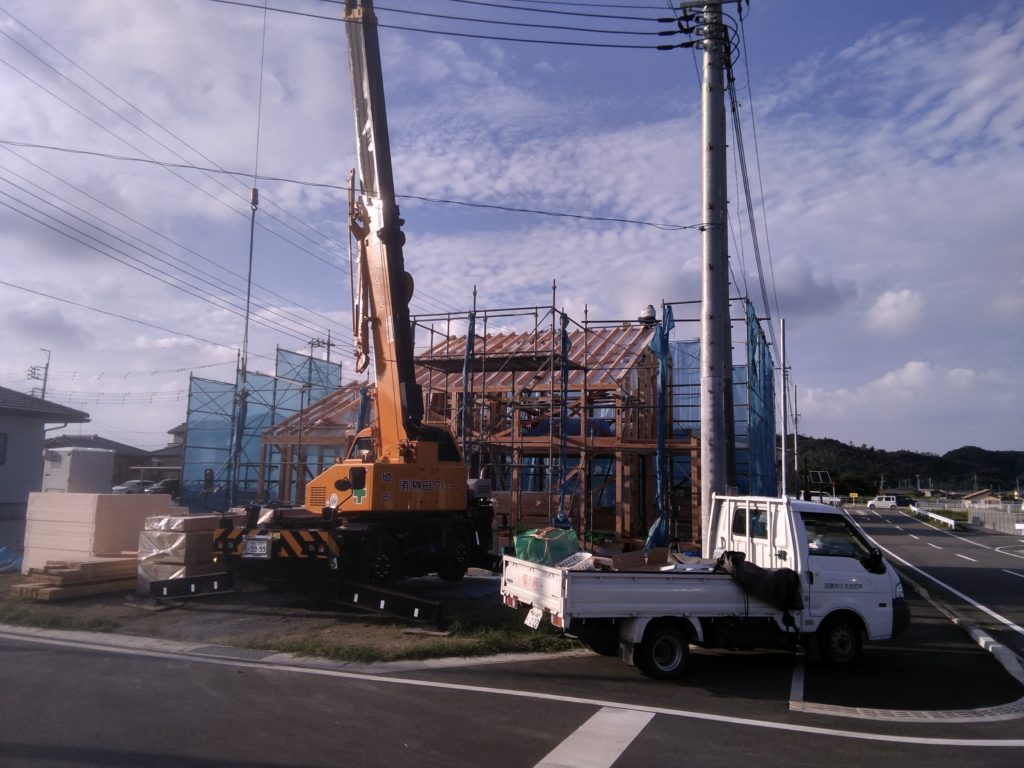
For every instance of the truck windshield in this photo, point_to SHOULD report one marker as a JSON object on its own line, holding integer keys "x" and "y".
{"x": 832, "y": 536}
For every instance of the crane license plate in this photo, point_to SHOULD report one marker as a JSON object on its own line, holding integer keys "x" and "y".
{"x": 533, "y": 617}
{"x": 256, "y": 547}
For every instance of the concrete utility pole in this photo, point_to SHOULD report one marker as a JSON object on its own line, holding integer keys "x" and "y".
{"x": 785, "y": 405}
{"x": 715, "y": 352}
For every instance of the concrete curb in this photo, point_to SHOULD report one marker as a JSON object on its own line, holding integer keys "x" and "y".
{"x": 1007, "y": 658}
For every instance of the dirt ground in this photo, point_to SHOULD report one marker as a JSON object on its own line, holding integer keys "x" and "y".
{"x": 289, "y": 620}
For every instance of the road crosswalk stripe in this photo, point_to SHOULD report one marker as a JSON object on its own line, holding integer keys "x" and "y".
{"x": 600, "y": 741}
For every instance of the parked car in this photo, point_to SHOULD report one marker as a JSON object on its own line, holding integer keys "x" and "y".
{"x": 131, "y": 486}
{"x": 890, "y": 502}
{"x": 168, "y": 485}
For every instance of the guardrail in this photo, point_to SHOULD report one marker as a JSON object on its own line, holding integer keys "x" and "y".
{"x": 938, "y": 518}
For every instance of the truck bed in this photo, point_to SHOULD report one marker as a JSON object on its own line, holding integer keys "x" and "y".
{"x": 581, "y": 594}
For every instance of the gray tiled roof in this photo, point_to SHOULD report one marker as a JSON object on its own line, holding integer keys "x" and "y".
{"x": 13, "y": 403}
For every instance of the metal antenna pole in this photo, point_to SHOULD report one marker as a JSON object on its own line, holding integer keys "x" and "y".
{"x": 714, "y": 351}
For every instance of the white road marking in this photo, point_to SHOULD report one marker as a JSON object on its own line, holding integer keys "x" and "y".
{"x": 1011, "y": 554}
{"x": 940, "y": 530}
{"x": 1014, "y": 573}
{"x": 600, "y": 741}
{"x": 934, "y": 545}
{"x": 965, "y": 557}
{"x": 914, "y": 537}
{"x": 958, "y": 593}
{"x": 898, "y": 528}
{"x": 15, "y": 633}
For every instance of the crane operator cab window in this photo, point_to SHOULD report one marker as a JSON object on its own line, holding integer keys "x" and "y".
{"x": 362, "y": 450}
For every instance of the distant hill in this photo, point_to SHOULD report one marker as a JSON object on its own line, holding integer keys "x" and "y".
{"x": 862, "y": 468}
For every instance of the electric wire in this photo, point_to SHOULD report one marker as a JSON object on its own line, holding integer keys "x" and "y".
{"x": 142, "y": 225}
{"x": 323, "y": 236}
{"x": 738, "y": 134}
{"x": 299, "y": 323}
{"x": 172, "y": 170}
{"x": 665, "y": 226}
{"x": 760, "y": 176}
{"x": 561, "y": 28}
{"x": 165, "y": 146}
{"x": 163, "y": 277}
{"x": 451, "y": 33}
{"x": 135, "y": 320}
{"x": 134, "y": 107}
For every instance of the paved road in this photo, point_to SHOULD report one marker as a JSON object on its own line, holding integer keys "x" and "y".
{"x": 89, "y": 700}
{"x": 980, "y": 574}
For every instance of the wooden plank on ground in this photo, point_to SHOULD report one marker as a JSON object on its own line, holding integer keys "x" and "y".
{"x": 83, "y": 590}
{"x": 49, "y": 592}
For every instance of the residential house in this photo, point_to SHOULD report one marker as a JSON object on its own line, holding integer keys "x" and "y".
{"x": 23, "y": 420}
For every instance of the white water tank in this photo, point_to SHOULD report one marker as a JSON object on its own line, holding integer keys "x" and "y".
{"x": 77, "y": 470}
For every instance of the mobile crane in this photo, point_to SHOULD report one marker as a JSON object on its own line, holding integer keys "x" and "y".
{"x": 400, "y": 504}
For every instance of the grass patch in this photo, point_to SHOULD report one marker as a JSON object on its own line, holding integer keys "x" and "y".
{"x": 483, "y": 642}
{"x": 49, "y": 617}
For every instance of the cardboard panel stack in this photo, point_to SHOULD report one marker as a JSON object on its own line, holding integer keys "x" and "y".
{"x": 176, "y": 547}
{"x": 77, "y": 527}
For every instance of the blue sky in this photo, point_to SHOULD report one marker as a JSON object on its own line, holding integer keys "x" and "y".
{"x": 889, "y": 142}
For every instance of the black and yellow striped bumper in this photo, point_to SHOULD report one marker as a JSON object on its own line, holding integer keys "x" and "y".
{"x": 300, "y": 544}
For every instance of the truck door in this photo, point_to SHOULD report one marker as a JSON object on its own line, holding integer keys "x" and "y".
{"x": 843, "y": 574}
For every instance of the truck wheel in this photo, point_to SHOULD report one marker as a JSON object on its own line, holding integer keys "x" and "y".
{"x": 379, "y": 559}
{"x": 839, "y": 642}
{"x": 663, "y": 652}
{"x": 455, "y": 557}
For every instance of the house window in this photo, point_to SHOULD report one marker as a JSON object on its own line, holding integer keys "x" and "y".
{"x": 3, "y": 447}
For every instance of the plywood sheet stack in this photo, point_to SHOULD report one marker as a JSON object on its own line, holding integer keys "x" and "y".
{"x": 61, "y": 580}
{"x": 70, "y": 527}
{"x": 176, "y": 547}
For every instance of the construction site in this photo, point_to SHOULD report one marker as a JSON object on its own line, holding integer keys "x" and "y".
{"x": 595, "y": 420}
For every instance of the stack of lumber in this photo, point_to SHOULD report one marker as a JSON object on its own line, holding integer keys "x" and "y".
{"x": 58, "y": 580}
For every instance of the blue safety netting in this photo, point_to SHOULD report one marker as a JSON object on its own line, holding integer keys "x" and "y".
{"x": 223, "y": 456}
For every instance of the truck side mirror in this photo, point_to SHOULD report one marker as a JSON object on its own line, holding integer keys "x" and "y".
{"x": 874, "y": 563}
{"x": 357, "y": 477}
{"x": 781, "y": 554}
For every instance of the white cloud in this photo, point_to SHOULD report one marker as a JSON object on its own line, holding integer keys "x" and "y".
{"x": 896, "y": 162}
{"x": 888, "y": 411}
{"x": 895, "y": 312}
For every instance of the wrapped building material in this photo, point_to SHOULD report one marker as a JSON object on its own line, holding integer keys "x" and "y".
{"x": 176, "y": 547}
{"x": 182, "y": 523}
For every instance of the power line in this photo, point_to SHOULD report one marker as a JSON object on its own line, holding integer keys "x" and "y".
{"x": 115, "y": 314}
{"x": 170, "y": 168}
{"x": 528, "y": 24}
{"x": 138, "y": 223}
{"x": 185, "y": 268}
{"x": 450, "y": 33}
{"x": 152, "y": 120}
{"x": 168, "y": 279}
{"x": 669, "y": 227}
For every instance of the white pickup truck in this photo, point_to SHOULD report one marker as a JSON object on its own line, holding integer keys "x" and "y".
{"x": 805, "y": 573}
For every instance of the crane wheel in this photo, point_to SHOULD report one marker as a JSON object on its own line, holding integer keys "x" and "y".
{"x": 379, "y": 560}
{"x": 455, "y": 554}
